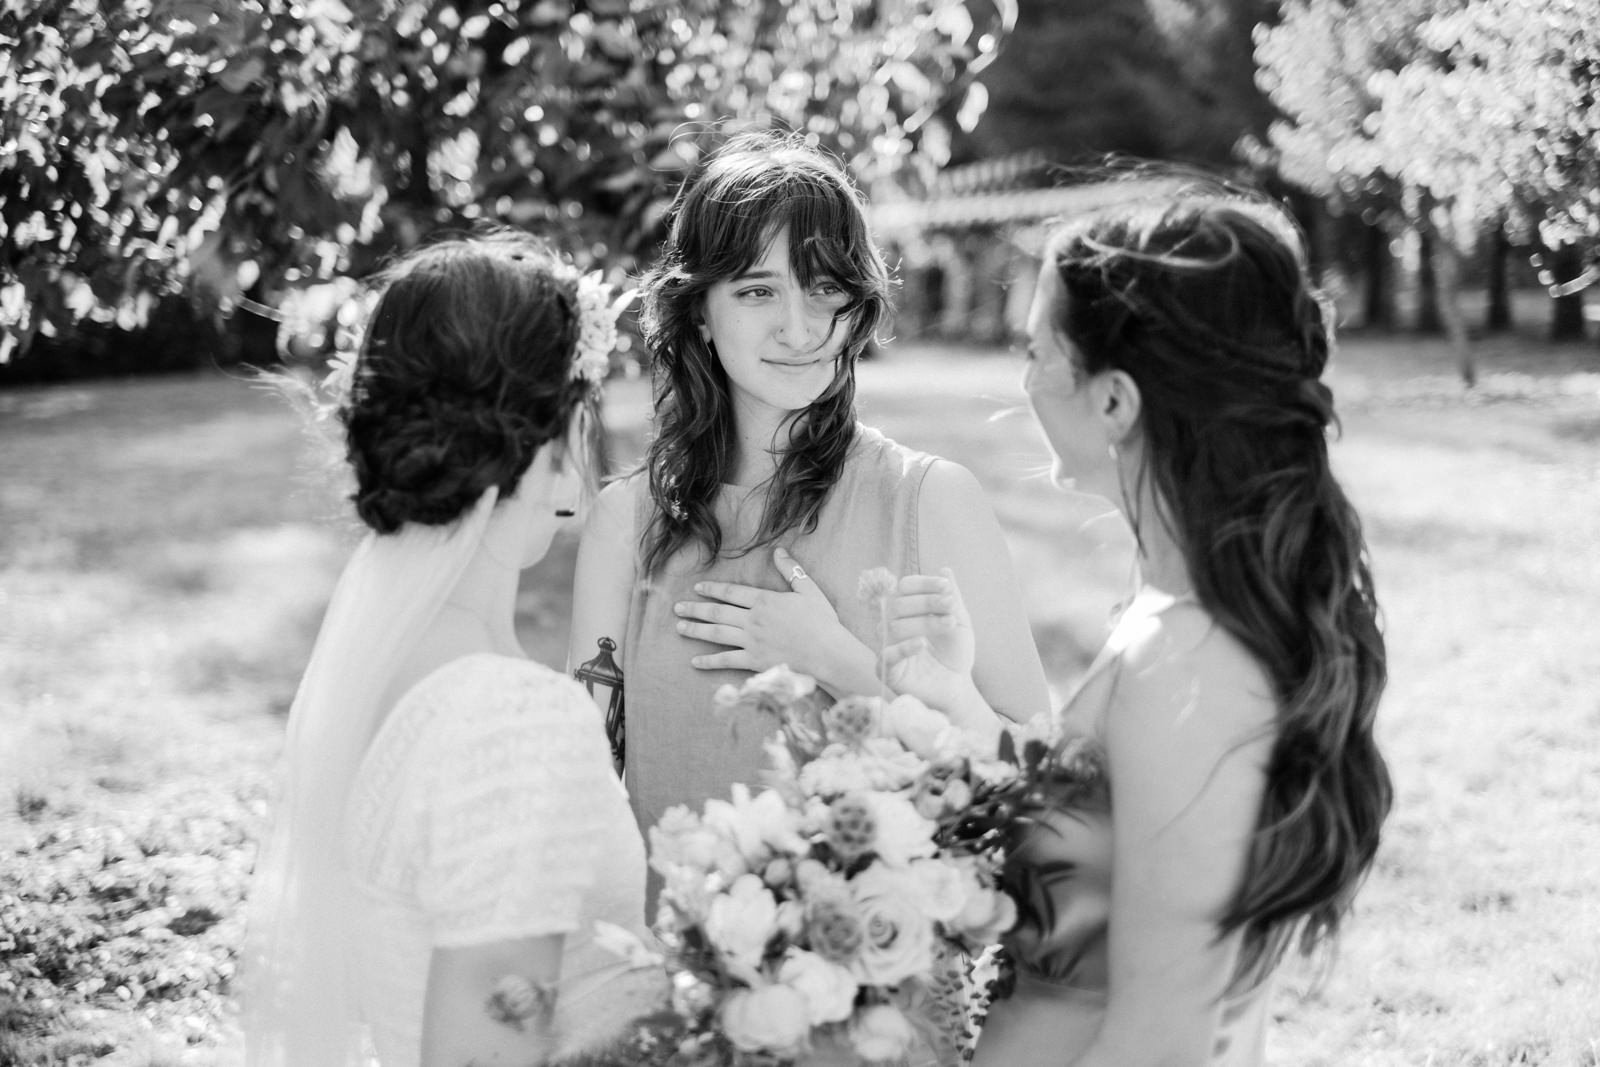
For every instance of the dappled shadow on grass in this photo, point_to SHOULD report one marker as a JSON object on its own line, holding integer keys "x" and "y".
{"x": 1583, "y": 428}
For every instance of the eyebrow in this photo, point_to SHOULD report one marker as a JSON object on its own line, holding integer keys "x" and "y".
{"x": 755, "y": 275}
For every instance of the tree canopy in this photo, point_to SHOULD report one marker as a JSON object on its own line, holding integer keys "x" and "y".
{"x": 1155, "y": 79}
{"x": 153, "y": 146}
{"x": 1489, "y": 107}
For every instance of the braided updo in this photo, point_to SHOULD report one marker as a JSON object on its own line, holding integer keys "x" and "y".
{"x": 463, "y": 374}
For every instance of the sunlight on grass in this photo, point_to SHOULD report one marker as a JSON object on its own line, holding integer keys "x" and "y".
{"x": 167, "y": 560}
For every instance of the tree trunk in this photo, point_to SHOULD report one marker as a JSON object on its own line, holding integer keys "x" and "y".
{"x": 1312, "y": 217}
{"x": 1561, "y": 265}
{"x": 1428, "y": 318}
{"x": 1447, "y": 260}
{"x": 1378, "y": 298}
{"x": 1498, "y": 318}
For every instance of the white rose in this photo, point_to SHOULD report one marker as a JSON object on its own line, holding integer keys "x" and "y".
{"x": 988, "y": 914}
{"x": 757, "y": 826}
{"x": 837, "y": 771}
{"x": 897, "y": 938}
{"x": 882, "y": 1032}
{"x": 889, "y": 765}
{"x": 902, "y": 833}
{"x": 768, "y": 1018}
{"x": 683, "y": 839}
{"x": 741, "y": 921}
{"x": 777, "y": 823}
{"x": 943, "y": 888}
{"x": 829, "y": 990}
{"x": 813, "y": 877}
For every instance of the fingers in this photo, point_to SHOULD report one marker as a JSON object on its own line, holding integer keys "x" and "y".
{"x": 901, "y": 651}
{"x": 738, "y": 660}
{"x": 715, "y": 633}
{"x": 745, "y": 596}
{"x": 922, "y": 626}
{"x": 925, "y": 583}
{"x": 793, "y": 572}
{"x": 905, "y": 606}
{"x": 960, "y": 606}
{"x": 710, "y": 611}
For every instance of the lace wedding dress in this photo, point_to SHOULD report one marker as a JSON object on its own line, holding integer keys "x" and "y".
{"x": 486, "y": 809}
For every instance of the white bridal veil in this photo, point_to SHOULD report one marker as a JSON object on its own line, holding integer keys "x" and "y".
{"x": 299, "y": 999}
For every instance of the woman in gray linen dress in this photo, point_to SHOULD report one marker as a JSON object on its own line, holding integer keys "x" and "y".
{"x": 696, "y": 566}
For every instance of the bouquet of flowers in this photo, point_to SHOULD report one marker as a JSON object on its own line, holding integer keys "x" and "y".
{"x": 845, "y": 911}
{"x": 834, "y": 915}
{"x": 828, "y": 914}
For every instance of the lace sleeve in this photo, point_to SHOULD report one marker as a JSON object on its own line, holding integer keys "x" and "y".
{"x": 509, "y": 834}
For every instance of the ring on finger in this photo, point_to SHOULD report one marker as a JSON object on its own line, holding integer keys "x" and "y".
{"x": 798, "y": 574}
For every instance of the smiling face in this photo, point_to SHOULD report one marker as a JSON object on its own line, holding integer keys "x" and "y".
{"x": 778, "y": 340}
{"x": 1063, "y": 399}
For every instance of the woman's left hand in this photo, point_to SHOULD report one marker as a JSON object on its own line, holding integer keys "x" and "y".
{"x": 763, "y": 628}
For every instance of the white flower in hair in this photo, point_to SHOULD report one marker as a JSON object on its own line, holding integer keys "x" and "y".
{"x": 338, "y": 383}
{"x": 597, "y": 327}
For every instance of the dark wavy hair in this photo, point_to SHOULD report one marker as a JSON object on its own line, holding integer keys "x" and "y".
{"x": 464, "y": 372}
{"x": 722, "y": 220}
{"x": 1204, "y": 300}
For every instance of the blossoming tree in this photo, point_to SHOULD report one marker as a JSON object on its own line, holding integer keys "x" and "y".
{"x": 226, "y": 149}
{"x": 1462, "y": 113}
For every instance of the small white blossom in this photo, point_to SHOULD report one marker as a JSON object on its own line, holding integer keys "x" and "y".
{"x": 597, "y": 327}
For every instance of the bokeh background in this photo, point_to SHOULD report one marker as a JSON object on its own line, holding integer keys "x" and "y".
{"x": 193, "y": 191}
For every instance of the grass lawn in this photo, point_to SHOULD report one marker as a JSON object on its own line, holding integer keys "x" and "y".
{"x": 165, "y": 558}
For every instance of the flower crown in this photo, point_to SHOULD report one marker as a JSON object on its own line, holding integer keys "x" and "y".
{"x": 591, "y": 357}
{"x": 597, "y": 327}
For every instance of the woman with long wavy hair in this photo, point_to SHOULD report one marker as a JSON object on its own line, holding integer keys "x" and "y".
{"x": 762, "y": 498}
{"x": 1175, "y": 354}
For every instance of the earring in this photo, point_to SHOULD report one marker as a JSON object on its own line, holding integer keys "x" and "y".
{"x": 1111, "y": 450}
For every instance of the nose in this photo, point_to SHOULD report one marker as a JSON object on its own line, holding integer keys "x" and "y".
{"x": 801, "y": 326}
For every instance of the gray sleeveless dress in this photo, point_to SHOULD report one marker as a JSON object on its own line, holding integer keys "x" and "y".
{"x": 678, "y": 750}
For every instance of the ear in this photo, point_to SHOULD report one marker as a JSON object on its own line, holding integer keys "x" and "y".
{"x": 1117, "y": 404}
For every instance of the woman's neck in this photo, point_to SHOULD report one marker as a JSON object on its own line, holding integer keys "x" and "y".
{"x": 1161, "y": 562}
{"x": 482, "y": 608}
{"x": 478, "y": 616}
{"x": 1162, "y": 565}
{"x": 761, "y": 436}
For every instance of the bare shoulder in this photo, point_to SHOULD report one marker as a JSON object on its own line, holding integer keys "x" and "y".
{"x": 1179, "y": 664}
{"x": 950, "y": 487}
{"x": 955, "y": 519}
